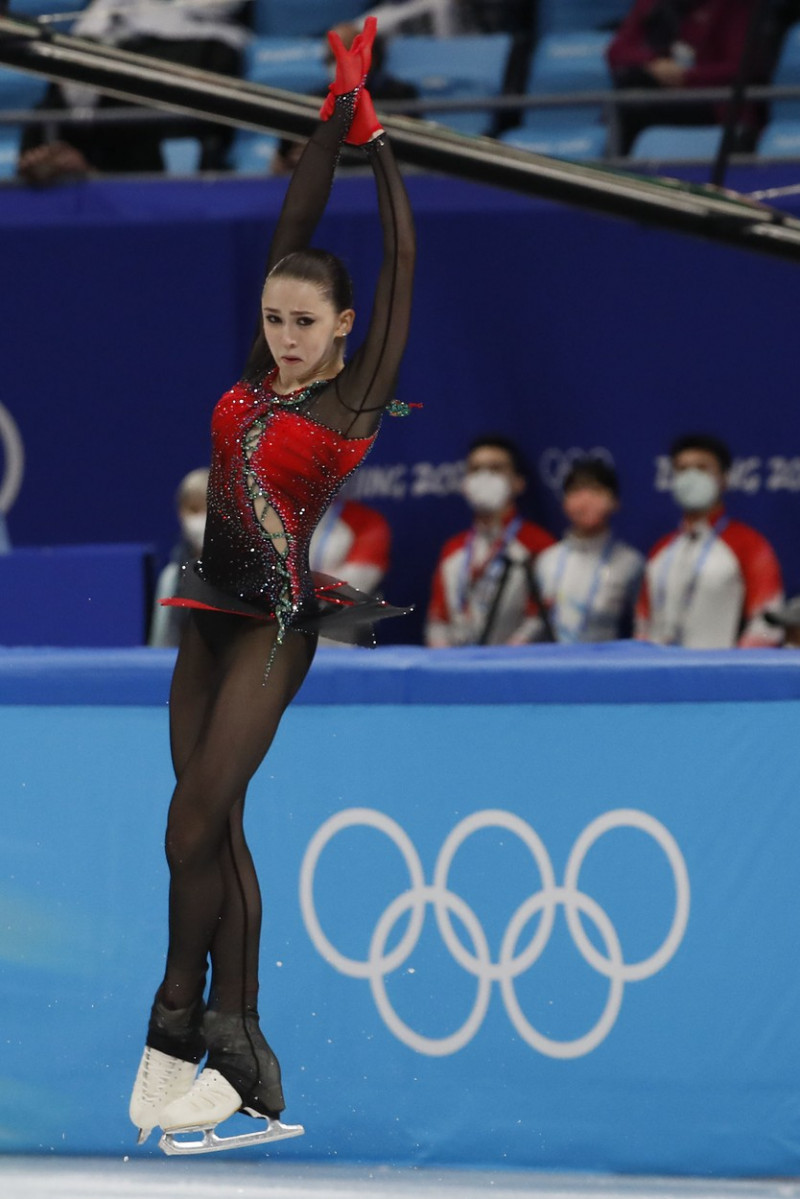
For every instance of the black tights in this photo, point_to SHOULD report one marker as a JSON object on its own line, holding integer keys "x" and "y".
{"x": 223, "y": 717}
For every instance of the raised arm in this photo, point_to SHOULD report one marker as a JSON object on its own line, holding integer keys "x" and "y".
{"x": 310, "y": 185}
{"x": 359, "y": 395}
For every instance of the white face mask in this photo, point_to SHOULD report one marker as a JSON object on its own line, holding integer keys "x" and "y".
{"x": 193, "y": 528}
{"x": 487, "y": 490}
{"x": 694, "y": 489}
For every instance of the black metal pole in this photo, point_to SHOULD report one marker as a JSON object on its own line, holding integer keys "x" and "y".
{"x": 752, "y": 47}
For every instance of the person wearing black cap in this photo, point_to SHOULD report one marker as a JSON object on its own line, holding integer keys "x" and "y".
{"x": 589, "y": 579}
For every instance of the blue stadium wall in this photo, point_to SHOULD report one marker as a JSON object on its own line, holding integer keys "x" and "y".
{"x": 522, "y": 909}
{"x": 127, "y": 308}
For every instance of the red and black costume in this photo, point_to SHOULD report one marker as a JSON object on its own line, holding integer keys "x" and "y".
{"x": 288, "y": 455}
{"x": 277, "y": 461}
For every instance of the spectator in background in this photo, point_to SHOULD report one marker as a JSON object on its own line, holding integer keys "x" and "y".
{"x": 166, "y": 624}
{"x": 444, "y": 18}
{"x": 498, "y": 16}
{"x": 589, "y": 580}
{"x": 679, "y": 44}
{"x": 207, "y": 34}
{"x": 440, "y": 17}
{"x": 483, "y": 590}
{"x": 352, "y": 542}
{"x": 710, "y": 583}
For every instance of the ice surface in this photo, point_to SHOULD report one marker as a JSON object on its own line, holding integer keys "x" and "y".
{"x": 203, "y": 1178}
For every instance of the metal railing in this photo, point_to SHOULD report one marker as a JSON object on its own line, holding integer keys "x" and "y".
{"x": 610, "y": 103}
{"x": 709, "y": 213}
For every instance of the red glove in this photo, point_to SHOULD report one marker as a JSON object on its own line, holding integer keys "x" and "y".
{"x": 352, "y": 66}
{"x": 365, "y": 124}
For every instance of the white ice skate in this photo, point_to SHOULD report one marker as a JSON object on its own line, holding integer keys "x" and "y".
{"x": 160, "y": 1080}
{"x": 211, "y": 1100}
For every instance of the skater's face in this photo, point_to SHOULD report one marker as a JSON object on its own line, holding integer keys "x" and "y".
{"x": 304, "y": 331}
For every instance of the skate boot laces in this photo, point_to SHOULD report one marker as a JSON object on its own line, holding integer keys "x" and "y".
{"x": 161, "y": 1074}
{"x": 160, "y": 1080}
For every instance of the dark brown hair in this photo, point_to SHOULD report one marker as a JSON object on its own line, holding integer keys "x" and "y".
{"x": 706, "y": 442}
{"x": 324, "y": 270}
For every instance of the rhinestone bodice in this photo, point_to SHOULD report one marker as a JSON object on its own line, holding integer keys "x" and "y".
{"x": 270, "y": 456}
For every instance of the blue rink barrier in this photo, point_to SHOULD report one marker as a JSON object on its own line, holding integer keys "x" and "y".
{"x": 75, "y": 595}
{"x": 525, "y": 908}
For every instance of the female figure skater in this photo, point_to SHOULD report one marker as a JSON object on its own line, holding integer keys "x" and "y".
{"x": 284, "y": 439}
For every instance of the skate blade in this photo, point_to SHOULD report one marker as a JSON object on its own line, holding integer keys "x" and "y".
{"x": 275, "y": 1130}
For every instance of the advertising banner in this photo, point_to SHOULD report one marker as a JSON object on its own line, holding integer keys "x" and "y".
{"x": 550, "y": 936}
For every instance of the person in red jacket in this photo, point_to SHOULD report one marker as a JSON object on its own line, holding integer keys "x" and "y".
{"x": 712, "y": 582}
{"x": 484, "y": 588}
{"x": 679, "y": 44}
{"x": 352, "y": 542}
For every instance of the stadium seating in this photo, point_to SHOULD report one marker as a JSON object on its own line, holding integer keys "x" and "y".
{"x": 453, "y": 68}
{"x": 292, "y": 63}
{"x": 10, "y": 137}
{"x": 35, "y": 8}
{"x": 787, "y": 73}
{"x": 181, "y": 155}
{"x": 252, "y": 153}
{"x": 677, "y": 143}
{"x": 568, "y": 16}
{"x": 780, "y": 139}
{"x": 579, "y": 143}
{"x": 568, "y": 62}
{"x": 303, "y": 18}
{"x": 19, "y": 89}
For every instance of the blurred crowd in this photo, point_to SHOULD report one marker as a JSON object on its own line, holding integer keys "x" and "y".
{"x": 657, "y": 45}
{"x": 710, "y": 582}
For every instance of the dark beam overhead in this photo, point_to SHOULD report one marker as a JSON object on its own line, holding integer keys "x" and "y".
{"x": 698, "y": 211}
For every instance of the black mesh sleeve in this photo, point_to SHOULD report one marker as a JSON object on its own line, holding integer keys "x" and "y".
{"x": 354, "y": 402}
{"x": 310, "y": 185}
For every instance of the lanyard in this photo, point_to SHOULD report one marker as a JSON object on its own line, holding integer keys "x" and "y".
{"x": 585, "y": 609}
{"x": 719, "y": 525}
{"x": 469, "y": 575}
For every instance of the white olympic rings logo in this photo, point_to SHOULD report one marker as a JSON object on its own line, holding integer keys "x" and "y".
{"x": 510, "y": 963}
{"x": 14, "y": 460}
